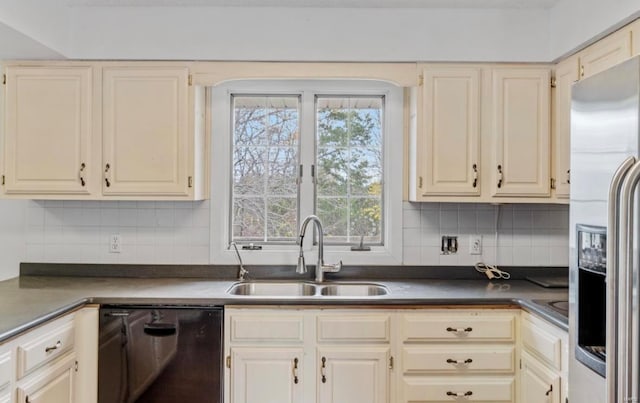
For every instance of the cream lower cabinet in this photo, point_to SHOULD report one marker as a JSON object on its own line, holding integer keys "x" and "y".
{"x": 53, "y": 363}
{"x": 544, "y": 361}
{"x": 267, "y": 375}
{"x": 458, "y": 355}
{"x": 307, "y": 355}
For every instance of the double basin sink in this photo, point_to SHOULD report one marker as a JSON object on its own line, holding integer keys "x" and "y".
{"x": 306, "y": 289}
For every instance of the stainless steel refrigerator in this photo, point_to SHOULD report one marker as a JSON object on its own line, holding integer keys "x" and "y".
{"x": 604, "y": 236}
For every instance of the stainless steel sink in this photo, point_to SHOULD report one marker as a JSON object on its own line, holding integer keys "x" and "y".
{"x": 273, "y": 289}
{"x": 354, "y": 290}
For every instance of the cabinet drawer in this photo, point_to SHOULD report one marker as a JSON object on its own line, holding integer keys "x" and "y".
{"x": 5, "y": 370}
{"x": 457, "y": 359}
{"x": 283, "y": 328}
{"x": 44, "y": 347}
{"x": 453, "y": 326}
{"x": 360, "y": 328}
{"x": 543, "y": 344}
{"x": 417, "y": 390}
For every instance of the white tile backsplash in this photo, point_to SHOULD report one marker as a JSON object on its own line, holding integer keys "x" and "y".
{"x": 150, "y": 232}
{"x": 528, "y": 234}
{"x": 179, "y": 232}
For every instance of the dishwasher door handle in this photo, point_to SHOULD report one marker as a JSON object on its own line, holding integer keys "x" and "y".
{"x": 160, "y": 329}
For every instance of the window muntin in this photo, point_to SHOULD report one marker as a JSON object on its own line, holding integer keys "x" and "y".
{"x": 266, "y": 151}
{"x": 349, "y": 189}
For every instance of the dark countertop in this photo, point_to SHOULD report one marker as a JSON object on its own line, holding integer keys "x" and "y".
{"x": 27, "y": 301}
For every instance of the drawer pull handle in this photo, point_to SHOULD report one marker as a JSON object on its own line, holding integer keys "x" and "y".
{"x": 322, "y": 369}
{"x": 549, "y": 391}
{"x": 460, "y": 394}
{"x": 467, "y": 361}
{"x": 295, "y": 370}
{"x": 57, "y": 346}
{"x": 456, "y": 330}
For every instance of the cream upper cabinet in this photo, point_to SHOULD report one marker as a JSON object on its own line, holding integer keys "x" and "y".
{"x": 605, "y": 53}
{"x": 449, "y": 144}
{"x": 48, "y": 130}
{"x": 145, "y": 133}
{"x": 521, "y": 132}
{"x": 566, "y": 73}
{"x": 635, "y": 37}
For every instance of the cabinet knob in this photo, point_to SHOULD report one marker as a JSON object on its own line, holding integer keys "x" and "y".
{"x": 81, "y": 174}
{"x": 475, "y": 175}
{"x": 460, "y": 394}
{"x": 295, "y": 370}
{"x": 322, "y": 370}
{"x": 107, "y": 175}
{"x": 455, "y": 362}
{"x": 457, "y": 330}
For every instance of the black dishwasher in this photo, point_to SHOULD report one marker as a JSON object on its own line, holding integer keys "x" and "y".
{"x": 158, "y": 354}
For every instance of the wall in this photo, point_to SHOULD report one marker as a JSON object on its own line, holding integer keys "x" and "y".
{"x": 167, "y": 232}
{"x": 16, "y": 45}
{"x": 12, "y": 237}
{"x": 309, "y": 34}
{"x": 572, "y": 22}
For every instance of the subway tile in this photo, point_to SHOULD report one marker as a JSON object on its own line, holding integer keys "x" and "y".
{"x": 430, "y": 255}
{"x": 35, "y": 215}
{"x": 521, "y": 237}
{"x": 540, "y": 256}
{"x": 522, "y": 219}
{"x": 127, "y": 217}
{"x": 505, "y": 256}
{"x": 53, "y": 216}
{"x": 430, "y": 219}
{"x": 183, "y": 217}
{"x": 411, "y": 255}
{"x": 449, "y": 219}
{"x": 411, "y": 218}
{"x": 182, "y": 205}
{"x": 559, "y": 256}
{"x": 165, "y": 205}
{"x": 164, "y": 217}
{"x": 109, "y": 217}
{"x": 449, "y": 260}
{"x": 127, "y": 204}
{"x": 91, "y": 217}
{"x": 34, "y": 235}
{"x": 200, "y": 254}
{"x": 146, "y": 217}
{"x": 145, "y": 204}
{"x": 35, "y": 253}
{"x": 411, "y": 237}
{"x": 200, "y": 236}
{"x": 145, "y": 235}
{"x": 485, "y": 219}
{"x": 522, "y": 256}
{"x": 201, "y": 217}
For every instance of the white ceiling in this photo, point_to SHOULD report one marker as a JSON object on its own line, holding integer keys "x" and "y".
{"x": 508, "y": 4}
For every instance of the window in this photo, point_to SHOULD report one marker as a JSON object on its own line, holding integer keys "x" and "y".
{"x": 296, "y": 148}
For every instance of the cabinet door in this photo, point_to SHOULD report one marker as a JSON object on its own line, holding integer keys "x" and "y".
{"x": 145, "y": 131}
{"x": 267, "y": 375}
{"x": 521, "y": 129}
{"x": 538, "y": 384}
{"x": 48, "y": 130}
{"x": 605, "y": 53}
{"x": 353, "y": 374}
{"x": 451, "y": 131}
{"x": 565, "y": 75}
{"x": 52, "y": 384}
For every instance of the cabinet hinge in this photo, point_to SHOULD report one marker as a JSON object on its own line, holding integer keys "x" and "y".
{"x": 421, "y": 80}
{"x": 553, "y": 82}
{"x": 520, "y": 364}
{"x": 391, "y": 362}
{"x": 553, "y": 183}
{"x": 228, "y": 361}
{"x": 420, "y": 182}
{"x": 76, "y": 366}
{"x": 190, "y": 79}
{"x": 2, "y": 180}
{"x": 582, "y": 71}
{"x": 190, "y": 181}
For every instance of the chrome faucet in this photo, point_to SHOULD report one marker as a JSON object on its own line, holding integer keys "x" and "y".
{"x": 321, "y": 268}
{"x": 242, "y": 272}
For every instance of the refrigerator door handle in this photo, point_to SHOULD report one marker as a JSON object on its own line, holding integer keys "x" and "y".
{"x": 612, "y": 277}
{"x": 627, "y": 365}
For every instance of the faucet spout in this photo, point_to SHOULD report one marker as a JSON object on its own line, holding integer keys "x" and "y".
{"x": 321, "y": 268}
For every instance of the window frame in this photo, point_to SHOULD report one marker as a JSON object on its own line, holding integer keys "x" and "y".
{"x": 221, "y": 111}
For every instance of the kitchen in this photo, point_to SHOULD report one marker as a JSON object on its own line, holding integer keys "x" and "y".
{"x": 160, "y": 232}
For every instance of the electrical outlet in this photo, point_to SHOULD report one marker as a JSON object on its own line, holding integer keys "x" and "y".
{"x": 115, "y": 246}
{"x": 475, "y": 245}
